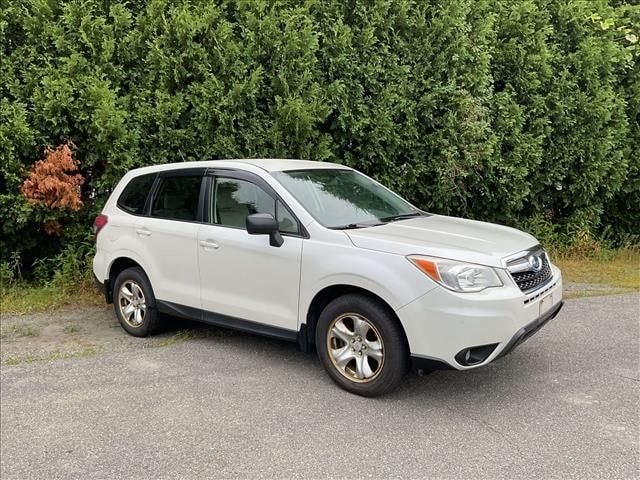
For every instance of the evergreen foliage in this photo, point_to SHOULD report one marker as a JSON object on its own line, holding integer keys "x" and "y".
{"x": 524, "y": 112}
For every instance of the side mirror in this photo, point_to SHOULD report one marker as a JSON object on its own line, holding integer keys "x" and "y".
{"x": 264, "y": 224}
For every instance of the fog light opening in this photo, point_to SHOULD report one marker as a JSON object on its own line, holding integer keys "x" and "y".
{"x": 475, "y": 355}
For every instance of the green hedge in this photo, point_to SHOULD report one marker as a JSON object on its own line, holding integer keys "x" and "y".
{"x": 522, "y": 112}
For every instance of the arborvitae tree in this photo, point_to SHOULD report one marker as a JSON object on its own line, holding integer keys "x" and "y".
{"x": 518, "y": 111}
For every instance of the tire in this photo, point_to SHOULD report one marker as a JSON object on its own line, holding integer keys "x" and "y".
{"x": 133, "y": 289}
{"x": 367, "y": 359}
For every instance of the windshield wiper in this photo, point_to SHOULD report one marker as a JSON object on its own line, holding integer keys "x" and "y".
{"x": 383, "y": 221}
{"x": 353, "y": 226}
{"x": 403, "y": 216}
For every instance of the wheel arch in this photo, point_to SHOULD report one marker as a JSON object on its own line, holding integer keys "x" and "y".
{"x": 325, "y": 296}
{"x": 118, "y": 265}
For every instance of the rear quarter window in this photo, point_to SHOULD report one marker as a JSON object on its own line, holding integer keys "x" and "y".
{"x": 134, "y": 196}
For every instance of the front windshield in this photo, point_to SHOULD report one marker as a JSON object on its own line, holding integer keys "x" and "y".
{"x": 340, "y": 198}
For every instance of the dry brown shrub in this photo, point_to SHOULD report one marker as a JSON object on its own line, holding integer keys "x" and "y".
{"x": 53, "y": 182}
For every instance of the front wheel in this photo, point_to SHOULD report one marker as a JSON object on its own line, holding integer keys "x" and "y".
{"x": 361, "y": 345}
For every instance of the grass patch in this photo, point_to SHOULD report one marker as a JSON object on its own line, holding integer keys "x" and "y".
{"x": 53, "y": 356}
{"x": 595, "y": 292}
{"x": 84, "y": 353}
{"x": 71, "y": 328}
{"x": 13, "y": 330}
{"x": 179, "y": 337}
{"x": 23, "y": 298}
{"x": 191, "y": 334}
{"x": 619, "y": 269}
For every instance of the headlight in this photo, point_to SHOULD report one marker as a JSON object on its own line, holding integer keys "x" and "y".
{"x": 457, "y": 276}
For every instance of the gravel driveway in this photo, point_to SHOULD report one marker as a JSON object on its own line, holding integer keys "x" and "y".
{"x": 214, "y": 404}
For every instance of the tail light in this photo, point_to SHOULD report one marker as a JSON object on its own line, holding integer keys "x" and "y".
{"x": 99, "y": 223}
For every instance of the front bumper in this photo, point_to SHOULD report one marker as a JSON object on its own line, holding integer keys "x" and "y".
{"x": 528, "y": 331}
{"x": 442, "y": 324}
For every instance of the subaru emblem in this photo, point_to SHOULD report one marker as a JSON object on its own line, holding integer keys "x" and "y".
{"x": 535, "y": 263}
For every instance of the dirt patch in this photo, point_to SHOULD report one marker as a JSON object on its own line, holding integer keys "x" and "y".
{"x": 578, "y": 290}
{"x": 83, "y": 331}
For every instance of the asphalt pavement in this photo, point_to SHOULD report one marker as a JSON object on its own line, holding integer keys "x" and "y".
{"x": 565, "y": 404}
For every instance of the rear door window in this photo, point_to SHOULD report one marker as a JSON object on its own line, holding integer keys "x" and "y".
{"x": 177, "y": 198}
{"x": 134, "y": 196}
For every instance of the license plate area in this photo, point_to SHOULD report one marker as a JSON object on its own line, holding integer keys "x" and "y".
{"x": 545, "y": 304}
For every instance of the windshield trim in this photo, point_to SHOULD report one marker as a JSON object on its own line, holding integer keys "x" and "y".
{"x": 419, "y": 212}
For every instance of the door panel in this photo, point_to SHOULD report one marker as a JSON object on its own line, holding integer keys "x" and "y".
{"x": 241, "y": 275}
{"x": 168, "y": 238}
{"x": 170, "y": 250}
{"x": 245, "y": 277}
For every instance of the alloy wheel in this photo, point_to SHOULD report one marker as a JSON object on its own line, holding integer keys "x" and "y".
{"x": 355, "y": 347}
{"x": 132, "y": 303}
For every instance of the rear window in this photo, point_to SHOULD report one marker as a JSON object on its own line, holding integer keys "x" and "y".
{"x": 135, "y": 194}
{"x": 177, "y": 198}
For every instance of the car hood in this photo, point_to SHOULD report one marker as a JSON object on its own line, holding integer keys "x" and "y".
{"x": 446, "y": 237}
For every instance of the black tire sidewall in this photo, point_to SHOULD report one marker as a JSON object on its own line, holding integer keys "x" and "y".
{"x": 396, "y": 354}
{"x": 150, "y": 323}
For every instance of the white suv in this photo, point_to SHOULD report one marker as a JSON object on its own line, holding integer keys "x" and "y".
{"x": 322, "y": 255}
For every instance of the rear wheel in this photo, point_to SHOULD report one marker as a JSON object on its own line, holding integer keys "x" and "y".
{"x": 361, "y": 346}
{"x": 135, "y": 303}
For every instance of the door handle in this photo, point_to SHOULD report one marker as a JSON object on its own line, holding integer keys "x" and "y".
{"x": 143, "y": 232}
{"x": 209, "y": 244}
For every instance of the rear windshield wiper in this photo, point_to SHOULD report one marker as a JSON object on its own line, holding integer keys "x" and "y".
{"x": 403, "y": 216}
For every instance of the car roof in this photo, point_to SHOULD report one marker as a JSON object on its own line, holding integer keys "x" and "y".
{"x": 282, "y": 164}
{"x": 267, "y": 164}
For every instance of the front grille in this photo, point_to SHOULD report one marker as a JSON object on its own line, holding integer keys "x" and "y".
{"x": 525, "y": 275}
